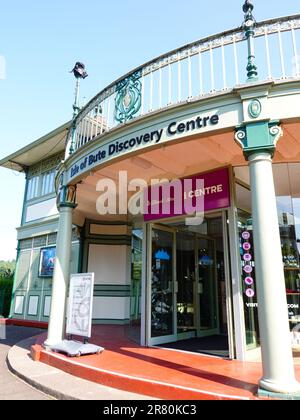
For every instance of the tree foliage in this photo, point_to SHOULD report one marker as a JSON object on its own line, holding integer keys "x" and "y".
{"x": 7, "y": 268}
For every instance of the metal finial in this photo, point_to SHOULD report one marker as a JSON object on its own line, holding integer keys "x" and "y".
{"x": 249, "y": 18}
{"x": 248, "y": 7}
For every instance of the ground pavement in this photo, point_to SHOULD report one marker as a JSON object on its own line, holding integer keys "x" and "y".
{"x": 12, "y": 388}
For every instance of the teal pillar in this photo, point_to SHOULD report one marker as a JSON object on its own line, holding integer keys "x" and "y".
{"x": 258, "y": 141}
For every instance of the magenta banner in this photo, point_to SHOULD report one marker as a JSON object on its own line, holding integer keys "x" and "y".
{"x": 184, "y": 197}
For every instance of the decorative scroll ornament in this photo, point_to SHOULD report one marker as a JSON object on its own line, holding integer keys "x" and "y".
{"x": 254, "y": 108}
{"x": 128, "y": 100}
{"x": 240, "y": 137}
{"x": 276, "y": 132}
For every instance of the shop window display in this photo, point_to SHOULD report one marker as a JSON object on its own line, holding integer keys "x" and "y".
{"x": 287, "y": 187}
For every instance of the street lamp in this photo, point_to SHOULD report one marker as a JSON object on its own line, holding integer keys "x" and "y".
{"x": 80, "y": 74}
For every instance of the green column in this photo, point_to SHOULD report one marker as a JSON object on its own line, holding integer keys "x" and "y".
{"x": 258, "y": 141}
{"x": 66, "y": 205}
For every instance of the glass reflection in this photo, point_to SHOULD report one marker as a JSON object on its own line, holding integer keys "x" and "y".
{"x": 162, "y": 316}
{"x": 134, "y": 330}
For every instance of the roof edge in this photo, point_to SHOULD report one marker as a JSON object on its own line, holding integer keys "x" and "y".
{"x": 11, "y": 158}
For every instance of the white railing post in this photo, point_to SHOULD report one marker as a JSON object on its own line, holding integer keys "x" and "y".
{"x": 281, "y": 53}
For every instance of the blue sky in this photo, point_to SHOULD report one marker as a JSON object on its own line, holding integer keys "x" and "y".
{"x": 40, "y": 42}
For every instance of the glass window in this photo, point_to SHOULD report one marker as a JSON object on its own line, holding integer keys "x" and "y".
{"x": 48, "y": 186}
{"x": 247, "y": 257}
{"x": 287, "y": 187}
{"x": 33, "y": 188}
{"x": 288, "y": 204}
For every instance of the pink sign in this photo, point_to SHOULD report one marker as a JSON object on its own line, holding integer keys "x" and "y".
{"x": 246, "y": 235}
{"x": 246, "y": 246}
{"x": 247, "y": 257}
{"x": 248, "y": 269}
{"x": 184, "y": 197}
{"x": 249, "y": 281}
{"x": 250, "y": 293}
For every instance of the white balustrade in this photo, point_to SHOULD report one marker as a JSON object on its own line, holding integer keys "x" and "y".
{"x": 214, "y": 64}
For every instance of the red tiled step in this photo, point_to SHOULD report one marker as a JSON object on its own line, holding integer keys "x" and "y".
{"x": 160, "y": 373}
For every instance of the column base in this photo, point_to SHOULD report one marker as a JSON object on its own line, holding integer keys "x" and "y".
{"x": 276, "y": 396}
{"x": 291, "y": 387}
{"x": 49, "y": 344}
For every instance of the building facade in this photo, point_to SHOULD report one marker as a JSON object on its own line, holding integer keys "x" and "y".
{"x": 231, "y": 281}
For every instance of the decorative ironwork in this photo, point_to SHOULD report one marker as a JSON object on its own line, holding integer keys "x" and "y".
{"x": 46, "y": 165}
{"x": 128, "y": 100}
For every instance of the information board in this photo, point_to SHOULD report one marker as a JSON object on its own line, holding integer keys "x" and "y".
{"x": 80, "y": 307}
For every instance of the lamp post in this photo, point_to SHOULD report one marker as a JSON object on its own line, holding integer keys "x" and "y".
{"x": 248, "y": 25}
{"x": 80, "y": 74}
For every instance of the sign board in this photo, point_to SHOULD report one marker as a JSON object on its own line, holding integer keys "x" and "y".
{"x": 214, "y": 191}
{"x": 80, "y": 306}
{"x": 157, "y": 134}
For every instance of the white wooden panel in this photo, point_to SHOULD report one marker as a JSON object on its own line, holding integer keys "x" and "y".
{"x": 115, "y": 308}
{"x": 19, "y": 304}
{"x": 33, "y": 305}
{"x": 41, "y": 210}
{"x": 109, "y": 263}
{"x": 47, "y": 306}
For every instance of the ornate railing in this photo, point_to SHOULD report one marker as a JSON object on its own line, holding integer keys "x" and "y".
{"x": 211, "y": 65}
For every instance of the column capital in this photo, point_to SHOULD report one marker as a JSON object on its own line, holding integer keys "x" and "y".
{"x": 66, "y": 196}
{"x": 258, "y": 137}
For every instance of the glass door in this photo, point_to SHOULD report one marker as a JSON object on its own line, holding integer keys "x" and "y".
{"x": 208, "y": 318}
{"x": 163, "y": 286}
{"x": 186, "y": 279}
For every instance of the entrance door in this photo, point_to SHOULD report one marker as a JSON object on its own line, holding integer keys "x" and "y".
{"x": 187, "y": 285}
{"x": 163, "y": 286}
{"x": 208, "y": 317}
{"x": 187, "y": 274}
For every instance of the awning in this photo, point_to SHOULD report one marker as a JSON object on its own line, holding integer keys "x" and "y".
{"x": 47, "y": 146}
